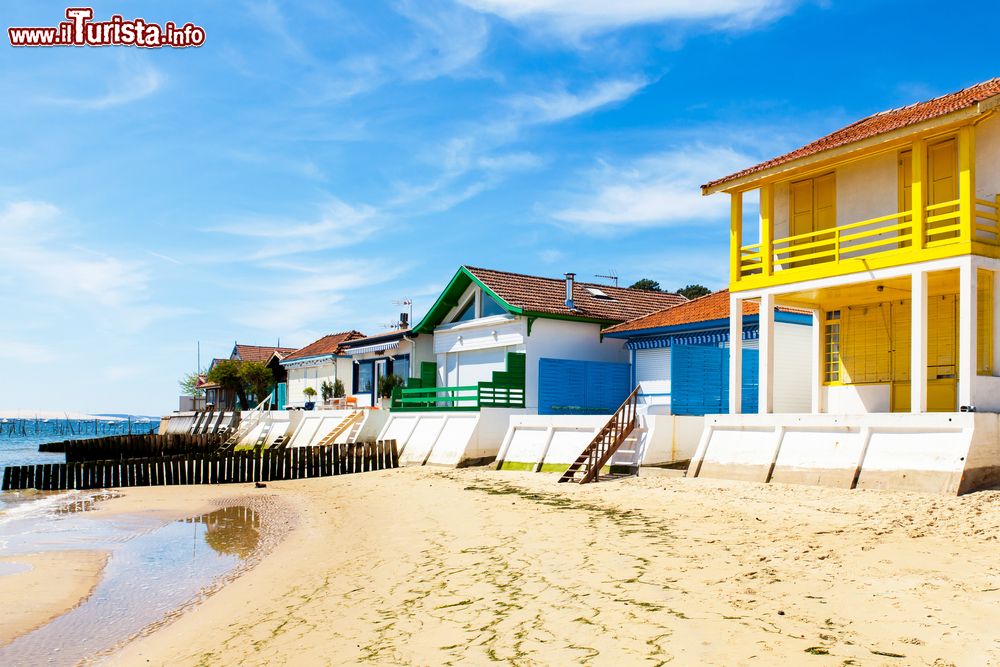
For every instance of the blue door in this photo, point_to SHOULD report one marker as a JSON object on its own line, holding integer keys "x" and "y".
{"x": 699, "y": 380}
{"x": 569, "y": 387}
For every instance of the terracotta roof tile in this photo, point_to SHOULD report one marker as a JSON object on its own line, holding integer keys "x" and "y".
{"x": 259, "y": 353}
{"x": 880, "y": 123}
{"x": 330, "y": 344}
{"x": 548, "y": 295}
{"x": 710, "y": 307}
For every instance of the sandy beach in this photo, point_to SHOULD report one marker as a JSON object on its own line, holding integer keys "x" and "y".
{"x": 43, "y": 586}
{"x": 422, "y": 566}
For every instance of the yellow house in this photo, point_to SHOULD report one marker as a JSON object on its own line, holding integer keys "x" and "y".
{"x": 888, "y": 230}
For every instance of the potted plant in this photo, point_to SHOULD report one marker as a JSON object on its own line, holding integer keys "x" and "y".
{"x": 326, "y": 390}
{"x": 386, "y": 384}
{"x": 310, "y": 394}
{"x": 338, "y": 389}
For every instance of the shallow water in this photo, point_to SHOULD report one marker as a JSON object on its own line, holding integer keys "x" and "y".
{"x": 154, "y": 569}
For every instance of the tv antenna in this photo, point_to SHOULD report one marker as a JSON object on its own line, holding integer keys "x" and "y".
{"x": 612, "y": 276}
{"x": 404, "y": 318}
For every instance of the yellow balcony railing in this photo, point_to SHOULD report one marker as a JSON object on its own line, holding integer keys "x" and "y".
{"x": 889, "y": 240}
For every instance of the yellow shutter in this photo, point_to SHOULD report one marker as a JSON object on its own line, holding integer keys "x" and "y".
{"x": 984, "y": 321}
{"x": 802, "y": 207}
{"x": 824, "y": 202}
{"x": 942, "y": 173}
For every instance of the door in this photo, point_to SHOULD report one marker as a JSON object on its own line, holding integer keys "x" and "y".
{"x": 652, "y": 375}
{"x": 380, "y": 365}
{"x": 812, "y": 203}
{"x": 905, "y": 190}
{"x": 942, "y": 186}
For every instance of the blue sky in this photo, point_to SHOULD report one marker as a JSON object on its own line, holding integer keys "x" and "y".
{"x": 315, "y": 161}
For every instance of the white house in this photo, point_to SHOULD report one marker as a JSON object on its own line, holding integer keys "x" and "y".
{"x": 320, "y": 361}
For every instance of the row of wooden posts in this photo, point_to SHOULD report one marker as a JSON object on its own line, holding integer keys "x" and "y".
{"x": 134, "y": 446}
{"x": 259, "y": 465}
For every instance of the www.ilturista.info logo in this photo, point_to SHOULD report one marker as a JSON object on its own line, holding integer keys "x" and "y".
{"x": 80, "y": 30}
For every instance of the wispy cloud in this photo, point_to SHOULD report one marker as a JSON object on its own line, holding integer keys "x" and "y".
{"x": 43, "y": 256}
{"x": 653, "y": 191}
{"x": 338, "y": 224}
{"x": 133, "y": 80}
{"x": 560, "y": 105}
{"x": 575, "y": 17}
{"x": 300, "y": 300}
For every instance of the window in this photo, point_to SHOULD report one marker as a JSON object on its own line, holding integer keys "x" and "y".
{"x": 598, "y": 293}
{"x": 401, "y": 367}
{"x": 831, "y": 348}
{"x": 984, "y": 324}
{"x": 490, "y": 306}
{"x": 366, "y": 377}
{"x": 466, "y": 313}
{"x": 866, "y": 344}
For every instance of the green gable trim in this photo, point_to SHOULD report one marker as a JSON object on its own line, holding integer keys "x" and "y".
{"x": 450, "y": 296}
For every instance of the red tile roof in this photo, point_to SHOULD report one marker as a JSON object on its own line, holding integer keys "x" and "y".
{"x": 880, "y": 123}
{"x": 706, "y": 308}
{"x": 548, "y": 295}
{"x": 259, "y": 353}
{"x": 331, "y": 344}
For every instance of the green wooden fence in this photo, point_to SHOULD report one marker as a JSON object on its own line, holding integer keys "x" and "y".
{"x": 505, "y": 390}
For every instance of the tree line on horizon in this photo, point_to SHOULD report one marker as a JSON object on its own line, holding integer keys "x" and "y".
{"x": 688, "y": 291}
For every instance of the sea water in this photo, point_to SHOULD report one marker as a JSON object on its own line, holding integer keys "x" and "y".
{"x": 155, "y": 568}
{"x": 19, "y": 446}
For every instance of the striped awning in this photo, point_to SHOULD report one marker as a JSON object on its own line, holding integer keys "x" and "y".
{"x": 379, "y": 347}
{"x": 711, "y": 337}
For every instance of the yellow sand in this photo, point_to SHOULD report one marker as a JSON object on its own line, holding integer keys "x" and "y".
{"x": 57, "y": 582}
{"x": 427, "y": 567}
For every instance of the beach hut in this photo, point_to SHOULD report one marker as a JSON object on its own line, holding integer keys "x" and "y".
{"x": 887, "y": 232}
{"x": 508, "y": 344}
{"x": 321, "y": 361}
{"x": 679, "y": 364}
{"x": 398, "y": 352}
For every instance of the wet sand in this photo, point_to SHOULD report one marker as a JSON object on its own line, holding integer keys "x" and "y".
{"x": 42, "y": 586}
{"x": 422, "y": 566}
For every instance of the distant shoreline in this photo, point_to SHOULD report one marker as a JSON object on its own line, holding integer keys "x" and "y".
{"x": 55, "y": 414}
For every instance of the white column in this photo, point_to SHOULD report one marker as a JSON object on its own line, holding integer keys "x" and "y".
{"x": 819, "y": 361}
{"x": 968, "y": 288}
{"x": 735, "y": 354}
{"x": 765, "y": 387}
{"x": 918, "y": 343}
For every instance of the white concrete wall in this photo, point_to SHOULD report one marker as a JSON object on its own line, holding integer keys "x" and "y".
{"x": 447, "y": 438}
{"x": 852, "y": 399}
{"x": 558, "y": 339}
{"x": 941, "y": 452}
{"x": 670, "y": 438}
{"x": 552, "y": 442}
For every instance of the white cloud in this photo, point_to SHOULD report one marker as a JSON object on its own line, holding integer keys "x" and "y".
{"x": 656, "y": 190}
{"x": 552, "y": 107}
{"x": 28, "y": 353}
{"x": 574, "y": 17}
{"x": 46, "y": 259}
{"x": 133, "y": 81}
{"x": 303, "y": 299}
{"x": 339, "y": 224}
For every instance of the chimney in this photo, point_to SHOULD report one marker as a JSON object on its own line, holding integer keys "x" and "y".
{"x": 404, "y": 320}
{"x": 569, "y": 291}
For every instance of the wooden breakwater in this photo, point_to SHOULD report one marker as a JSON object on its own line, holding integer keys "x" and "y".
{"x": 134, "y": 446}
{"x": 260, "y": 465}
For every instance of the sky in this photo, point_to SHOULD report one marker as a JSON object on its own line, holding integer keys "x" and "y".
{"x": 315, "y": 161}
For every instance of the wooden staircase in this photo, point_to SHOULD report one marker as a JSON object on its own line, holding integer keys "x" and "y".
{"x": 587, "y": 467}
{"x": 353, "y": 422}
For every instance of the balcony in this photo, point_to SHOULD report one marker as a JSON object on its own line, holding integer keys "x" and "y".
{"x": 944, "y": 229}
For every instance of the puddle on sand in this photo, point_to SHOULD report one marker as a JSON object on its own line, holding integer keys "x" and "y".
{"x": 152, "y": 572}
